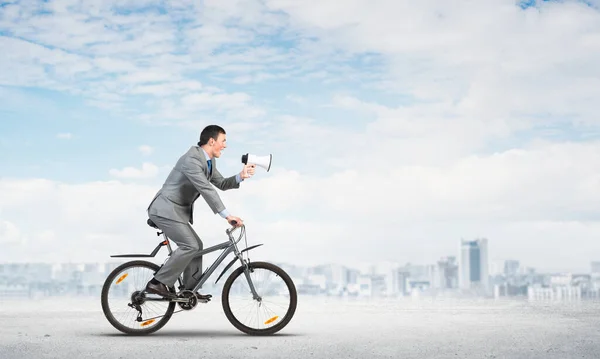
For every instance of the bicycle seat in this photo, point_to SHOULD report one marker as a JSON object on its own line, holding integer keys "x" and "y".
{"x": 151, "y": 224}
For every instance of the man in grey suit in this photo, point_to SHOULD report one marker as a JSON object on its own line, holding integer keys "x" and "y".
{"x": 172, "y": 208}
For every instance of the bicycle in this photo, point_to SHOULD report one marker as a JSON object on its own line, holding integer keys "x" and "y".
{"x": 117, "y": 281}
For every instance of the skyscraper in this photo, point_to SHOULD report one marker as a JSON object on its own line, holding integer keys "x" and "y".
{"x": 511, "y": 268}
{"x": 473, "y": 267}
{"x": 445, "y": 273}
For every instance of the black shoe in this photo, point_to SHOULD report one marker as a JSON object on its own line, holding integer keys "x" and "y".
{"x": 159, "y": 289}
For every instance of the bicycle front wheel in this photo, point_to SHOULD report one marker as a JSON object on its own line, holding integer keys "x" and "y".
{"x": 264, "y": 316}
{"x": 125, "y": 305}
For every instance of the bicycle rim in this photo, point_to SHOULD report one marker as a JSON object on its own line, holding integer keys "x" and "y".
{"x": 119, "y": 291}
{"x": 278, "y": 299}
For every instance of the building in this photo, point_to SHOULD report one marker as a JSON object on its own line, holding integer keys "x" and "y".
{"x": 511, "y": 268}
{"x": 445, "y": 274}
{"x": 473, "y": 266}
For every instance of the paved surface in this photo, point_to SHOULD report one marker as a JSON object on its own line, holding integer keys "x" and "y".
{"x": 322, "y": 328}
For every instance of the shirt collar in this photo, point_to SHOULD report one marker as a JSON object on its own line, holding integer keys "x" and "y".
{"x": 205, "y": 154}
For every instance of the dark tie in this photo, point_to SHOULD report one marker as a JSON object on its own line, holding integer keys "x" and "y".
{"x": 209, "y": 166}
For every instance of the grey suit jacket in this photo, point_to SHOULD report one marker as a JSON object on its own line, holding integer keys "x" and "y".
{"x": 188, "y": 180}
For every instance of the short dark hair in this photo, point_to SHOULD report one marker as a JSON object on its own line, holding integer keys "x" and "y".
{"x": 210, "y": 131}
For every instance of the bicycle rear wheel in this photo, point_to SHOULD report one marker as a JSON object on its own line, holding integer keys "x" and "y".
{"x": 276, "y": 307}
{"x": 122, "y": 295}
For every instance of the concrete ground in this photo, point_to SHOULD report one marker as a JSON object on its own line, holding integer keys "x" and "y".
{"x": 322, "y": 328}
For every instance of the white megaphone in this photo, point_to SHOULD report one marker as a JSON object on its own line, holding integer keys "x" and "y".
{"x": 262, "y": 161}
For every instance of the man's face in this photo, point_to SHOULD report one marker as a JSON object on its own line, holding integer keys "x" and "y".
{"x": 219, "y": 145}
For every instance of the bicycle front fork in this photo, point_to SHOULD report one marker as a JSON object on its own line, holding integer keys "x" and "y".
{"x": 250, "y": 283}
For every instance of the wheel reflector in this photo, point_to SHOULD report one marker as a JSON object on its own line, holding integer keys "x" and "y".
{"x": 272, "y": 319}
{"x": 147, "y": 322}
{"x": 121, "y": 278}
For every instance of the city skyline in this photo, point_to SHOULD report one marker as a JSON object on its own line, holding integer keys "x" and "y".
{"x": 436, "y": 280}
{"x": 490, "y": 266}
{"x": 467, "y": 274}
{"x": 492, "y": 261}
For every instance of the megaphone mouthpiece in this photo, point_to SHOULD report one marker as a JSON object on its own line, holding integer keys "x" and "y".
{"x": 261, "y": 161}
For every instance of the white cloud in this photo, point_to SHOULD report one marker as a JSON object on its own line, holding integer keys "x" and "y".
{"x": 533, "y": 205}
{"x": 9, "y": 233}
{"x": 154, "y": 55}
{"x": 65, "y": 136}
{"x": 539, "y": 183}
{"x": 105, "y": 216}
{"x": 146, "y": 150}
{"x": 492, "y": 61}
{"x": 148, "y": 170}
{"x": 296, "y": 99}
{"x": 165, "y": 89}
{"x": 128, "y": 60}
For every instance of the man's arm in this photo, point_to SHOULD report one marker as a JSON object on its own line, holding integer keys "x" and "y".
{"x": 225, "y": 184}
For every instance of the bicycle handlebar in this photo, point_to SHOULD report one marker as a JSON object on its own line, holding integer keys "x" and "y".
{"x": 233, "y": 227}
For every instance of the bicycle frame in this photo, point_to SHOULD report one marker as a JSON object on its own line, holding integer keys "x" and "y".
{"x": 227, "y": 247}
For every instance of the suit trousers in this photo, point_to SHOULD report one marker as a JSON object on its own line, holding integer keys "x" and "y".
{"x": 183, "y": 259}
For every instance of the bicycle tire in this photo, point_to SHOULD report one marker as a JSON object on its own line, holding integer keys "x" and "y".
{"x": 108, "y": 314}
{"x": 287, "y": 317}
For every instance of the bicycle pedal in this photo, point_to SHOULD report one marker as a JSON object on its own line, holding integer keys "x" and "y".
{"x": 203, "y": 300}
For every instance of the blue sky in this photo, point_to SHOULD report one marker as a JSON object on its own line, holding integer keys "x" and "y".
{"x": 402, "y": 128}
{"x": 105, "y": 138}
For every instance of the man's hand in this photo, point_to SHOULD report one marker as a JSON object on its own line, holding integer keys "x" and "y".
{"x": 248, "y": 171}
{"x": 238, "y": 221}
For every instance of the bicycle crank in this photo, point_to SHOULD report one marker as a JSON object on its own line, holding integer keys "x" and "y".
{"x": 186, "y": 300}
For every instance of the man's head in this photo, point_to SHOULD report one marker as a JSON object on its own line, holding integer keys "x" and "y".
{"x": 213, "y": 139}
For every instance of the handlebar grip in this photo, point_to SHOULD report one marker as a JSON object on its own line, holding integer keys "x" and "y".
{"x": 233, "y": 222}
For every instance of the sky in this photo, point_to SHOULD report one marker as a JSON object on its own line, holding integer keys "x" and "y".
{"x": 397, "y": 128}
